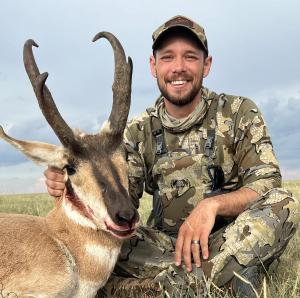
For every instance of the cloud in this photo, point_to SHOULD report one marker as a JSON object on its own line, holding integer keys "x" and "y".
{"x": 281, "y": 109}
{"x": 25, "y": 177}
{"x": 255, "y": 54}
{"x": 31, "y": 130}
{"x": 37, "y": 130}
{"x": 21, "y": 185}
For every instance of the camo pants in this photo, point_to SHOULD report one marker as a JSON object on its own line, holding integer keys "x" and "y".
{"x": 256, "y": 237}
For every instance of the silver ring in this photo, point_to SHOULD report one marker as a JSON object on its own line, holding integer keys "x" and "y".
{"x": 195, "y": 242}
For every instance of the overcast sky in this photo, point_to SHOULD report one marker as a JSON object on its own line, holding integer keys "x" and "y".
{"x": 255, "y": 47}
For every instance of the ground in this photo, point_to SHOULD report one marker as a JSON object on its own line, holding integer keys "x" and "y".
{"x": 285, "y": 282}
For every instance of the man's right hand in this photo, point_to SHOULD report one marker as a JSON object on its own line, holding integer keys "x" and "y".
{"x": 55, "y": 181}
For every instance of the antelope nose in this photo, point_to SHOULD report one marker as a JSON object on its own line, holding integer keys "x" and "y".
{"x": 127, "y": 217}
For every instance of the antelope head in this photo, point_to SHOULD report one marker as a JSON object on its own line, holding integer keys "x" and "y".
{"x": 95, "y": 164}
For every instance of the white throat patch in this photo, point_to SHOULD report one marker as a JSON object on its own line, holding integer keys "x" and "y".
{"x": 102, "y": 254}
{"x": 74, "y": 215}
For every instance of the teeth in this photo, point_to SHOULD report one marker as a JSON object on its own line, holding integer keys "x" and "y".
{"x": 178, "y": 82}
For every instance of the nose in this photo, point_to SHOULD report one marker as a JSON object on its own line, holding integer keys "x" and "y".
{"x": 179, "y": 65}
{"x": 127, "y": 217}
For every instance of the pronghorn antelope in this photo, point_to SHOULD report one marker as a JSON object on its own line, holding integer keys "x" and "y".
{"x": 72, "y": 251}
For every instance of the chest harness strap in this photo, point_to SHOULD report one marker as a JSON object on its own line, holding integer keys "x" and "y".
{"x": 156, "y": 215}
{"x": 215, "y": 172}
{"x": 211, "y": 151}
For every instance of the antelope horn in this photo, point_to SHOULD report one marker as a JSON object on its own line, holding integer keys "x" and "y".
{"x": 121, "y": 87}
{"x": 44, "y": 97}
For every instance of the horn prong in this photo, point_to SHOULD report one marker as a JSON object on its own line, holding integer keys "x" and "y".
{"x": 121, "y": 86}
{"x": 44, "y": 97}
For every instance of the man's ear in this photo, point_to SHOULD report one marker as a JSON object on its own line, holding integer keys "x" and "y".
{"x": 153, "y": 66}
{"x": 207, "y": 66}
{"x": 41, "y": 153}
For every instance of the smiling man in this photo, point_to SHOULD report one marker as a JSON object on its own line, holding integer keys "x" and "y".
{"x": 208, "y": 161}
{"x": 179, "y": 65}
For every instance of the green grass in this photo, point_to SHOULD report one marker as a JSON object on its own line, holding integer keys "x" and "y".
{"x": 294, "y": 187}
{"x": 35, "y": 204}
{"x": 286, "y": 281}
{"x": 40, "y": 204}
{"x": 282, "y": 284}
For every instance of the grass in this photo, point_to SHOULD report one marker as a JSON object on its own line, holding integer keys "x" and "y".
{"x": 35, "y": 204}
{"x": 285, "y": 282}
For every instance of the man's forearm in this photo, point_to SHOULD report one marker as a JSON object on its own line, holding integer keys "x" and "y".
{"x": 233, "y": 203}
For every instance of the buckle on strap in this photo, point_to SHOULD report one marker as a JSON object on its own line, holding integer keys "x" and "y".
{"x": 160, "y": 142}
{"x": 209, "y": 144}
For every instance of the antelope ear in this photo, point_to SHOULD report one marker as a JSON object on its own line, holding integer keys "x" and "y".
{"x": 41, "y": 153}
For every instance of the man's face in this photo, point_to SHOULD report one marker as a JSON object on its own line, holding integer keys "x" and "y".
{"x": 179, "y": 66}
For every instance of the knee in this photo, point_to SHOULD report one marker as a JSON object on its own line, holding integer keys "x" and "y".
{"x": 283, "y": 204}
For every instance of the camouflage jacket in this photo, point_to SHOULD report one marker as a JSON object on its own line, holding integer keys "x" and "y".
{"x": 242, "y": 148}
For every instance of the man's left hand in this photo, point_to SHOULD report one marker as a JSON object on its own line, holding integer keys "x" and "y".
{"x": 197, "y": 227}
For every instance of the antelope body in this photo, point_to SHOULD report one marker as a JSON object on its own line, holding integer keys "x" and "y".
{"x": 72, "y": 251}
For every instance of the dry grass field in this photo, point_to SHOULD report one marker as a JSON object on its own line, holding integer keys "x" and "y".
{"x": 284, "y": 283}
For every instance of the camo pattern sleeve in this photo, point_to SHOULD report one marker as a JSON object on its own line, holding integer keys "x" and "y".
{"x": 244, "y": 148}
{"x": 134, "y": 136}
{"x": 258, "y": 168}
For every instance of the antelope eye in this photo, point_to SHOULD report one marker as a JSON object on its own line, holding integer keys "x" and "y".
{"x": 103, "y": 187}
{"x": 70, "y": 170}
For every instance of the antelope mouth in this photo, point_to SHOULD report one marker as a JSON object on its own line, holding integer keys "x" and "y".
{"x": 120, "y": 232}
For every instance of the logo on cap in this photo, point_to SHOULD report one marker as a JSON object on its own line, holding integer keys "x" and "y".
{"x": 179, "y": 21}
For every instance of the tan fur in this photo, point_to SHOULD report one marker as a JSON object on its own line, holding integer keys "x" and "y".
{"x": 75, "y": 238}
{"x": 72, "y": 251}
{"x": 59, "y": 256}
{"x": 29, "y": 256}
{"x": 122, "y": 169}
{"x": 49, "y": 254}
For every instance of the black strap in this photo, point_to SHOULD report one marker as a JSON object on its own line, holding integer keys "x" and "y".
{"x": 215, "y": 171}
{"x": 216, "y": 175}
{"x": 158, "y": 133}
{"x": 157, "y": 210}
{"x": 160, "y": 148}
{"x": 211, "y": 118}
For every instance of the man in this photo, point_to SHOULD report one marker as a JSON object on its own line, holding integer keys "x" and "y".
{"x": 208, "y": 160}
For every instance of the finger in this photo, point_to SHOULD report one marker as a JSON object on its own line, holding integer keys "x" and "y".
{"x": 204, "y": 246}
{"x": 196, "y": 253}
{"x": 178, "y": 248}
{"x": 187, "y": 251}
{"x": 55, "y": 169}
{"x": 55, "y": 193}
{"x": 55, "y": 189}
{"x": 55, "y": 175}
{"x": 55, "y": 185}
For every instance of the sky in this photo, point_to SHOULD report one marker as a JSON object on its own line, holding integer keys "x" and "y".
{"x": 254, "y": 44}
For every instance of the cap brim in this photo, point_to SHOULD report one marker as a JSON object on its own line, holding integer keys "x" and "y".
{"x": 164, "y": 33}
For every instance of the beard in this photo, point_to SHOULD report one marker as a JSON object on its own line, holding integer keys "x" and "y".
{"x": 181, "y": 98}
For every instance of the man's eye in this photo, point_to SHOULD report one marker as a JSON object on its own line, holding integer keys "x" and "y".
{"x": 166, "y": 58}
{"x": 70, "y": 170}
{"x": 191, "y": 57}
